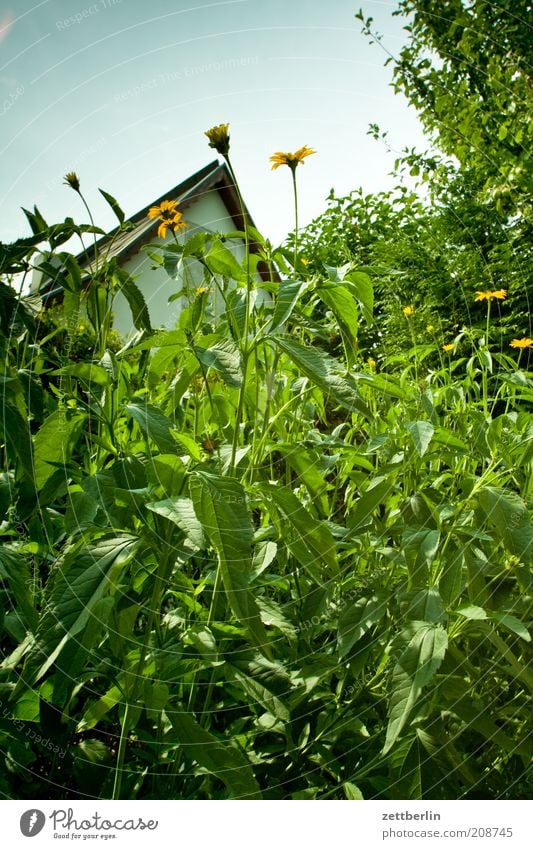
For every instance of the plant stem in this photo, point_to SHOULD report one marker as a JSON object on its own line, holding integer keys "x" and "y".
{"x": 293, "y": 172}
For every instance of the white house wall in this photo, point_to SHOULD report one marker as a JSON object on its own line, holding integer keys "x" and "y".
{"x": 208, "y": 213}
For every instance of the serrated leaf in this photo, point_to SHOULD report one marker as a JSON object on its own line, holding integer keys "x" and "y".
{"x": 229, "y": 764}
{"x": 287, "y": 294}
{"x": 511, "y": 623}
{"x": 83, "y": 576}
{"x": 343, "y": 306}
{"x": 421, "y": 434}
{"x": 14, "y": 570}
{"x": 224, "y": 357}
{"x": 180, "y": 511}
{"x": 323, "y": 370}
{"x": 309, "y": 540}
{"x": 220, "y": 505}
{"x": 355, "y": 621}
{"x": 414, "y": 669}
{"x": 136, "y": 301}
{"x": 54, "y": 443}
{"x": 220, "y": 260}
{"x": 154, "y": 424}
{"x": 507, "y": 514}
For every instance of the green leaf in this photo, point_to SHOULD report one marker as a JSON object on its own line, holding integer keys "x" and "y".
{"x": 89, "y": 373}
{"x": 55, "y": 442}
{"x": 15, "y": 433}
{"x": 180, "y": 511}
{"x": 220, "y": 260}
{"x": 113, "y": 204}
{"x": 229, "y": 764}
{"x": 374, "y": 495}
{"x": 136, "y": 301}
{"x": 154, "y": 425}
{"x": 287, "y": 294}
{"x": 420, "y": 548}
{"x": 83, "y": 576}
{"x": 257, "y": 692}
{"x": 309, "y": 540}
{"x": 361, "y": 287}
{"x": 224, "y": 357}
{"x": 167, "y": 472}
{"x": 385, "y": 384}
{"x": 414, "y": 669}
{"x": 96, "y": 710}
{"x": 307, "y": 465}
{"x": 352, "y": 792}
{"x": 343, "y": 306}
{"x": 15, "y": 571}
{"x": 421, "y": 434}
{"x": 507, "y": 514}
{"x": 220, "y": 505}
{"x": 473, "y": 612}
{"x": 507, "y": 620}
{"x": 322, "y": 370}
{"x": 356, "y": 619}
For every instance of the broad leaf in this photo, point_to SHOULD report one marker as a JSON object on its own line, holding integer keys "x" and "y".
{"x": 507, "y": 514}
{"x": 224, "y": 357}
{"x": 421, "y": 434}
{"x": 76, "y": 585}
{"x": 356, "y": 619}
{"x": 414, "y": 669}
{"x": 154, "y": 424}
{"x": 220, "y": 505}
{"x": 222, "y": 759}
{"x": 54, "y": 443}
{"x": 309, "y": 540}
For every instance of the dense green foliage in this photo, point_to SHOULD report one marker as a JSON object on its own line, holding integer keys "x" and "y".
{"x": 464, "y": 68}
{"x": 239, "y": 558}
{"x": 234, "y": 565}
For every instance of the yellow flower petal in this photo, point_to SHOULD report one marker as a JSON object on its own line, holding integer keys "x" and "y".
{"x": 291, "y": 159}
{"x": 525, "y": 342}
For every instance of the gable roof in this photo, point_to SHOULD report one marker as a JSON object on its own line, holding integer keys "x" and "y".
{"x": 213, "y": 177}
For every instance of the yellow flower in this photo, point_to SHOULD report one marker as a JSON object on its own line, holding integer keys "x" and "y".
{"x": 501, "y": 294}
{"x": 408, "y": 311}
{"x": 200, "y": 290}
{"x": 72, "y": 180}
{"x": 219, "y": 138}
{"x": 169, "y": 216}
{"x": 430, "y": 328}
{"x": 522, "y": 343}
{"x": 372, "y": 363}
{"x": 291, "y": 159}
{"x": 448, "y": 347}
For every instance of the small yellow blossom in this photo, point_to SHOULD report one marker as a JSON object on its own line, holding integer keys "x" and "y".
{"x": 219, "y": 138}
{"x": 500, "y": 294}
{"x": 408, "y": 311}
{"x": 448, "y": 347}
{"x": 430, "y": 328}
{"x": 169, "y": 216}
{"x": 291, "y": 159}
{"x": 525, "y": 342}
{"x": 72, "y": 180}
{"x": 200, "y": 290}
{"x": 372, "y": 363}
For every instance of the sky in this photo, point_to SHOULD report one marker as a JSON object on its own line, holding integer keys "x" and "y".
{"x": 121, "y": 91}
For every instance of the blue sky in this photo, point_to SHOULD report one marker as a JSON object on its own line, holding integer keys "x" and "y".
{"x": 121, "y": 91}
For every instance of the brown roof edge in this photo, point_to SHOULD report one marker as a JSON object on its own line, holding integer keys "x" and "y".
{"x": 214, "y": 176}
